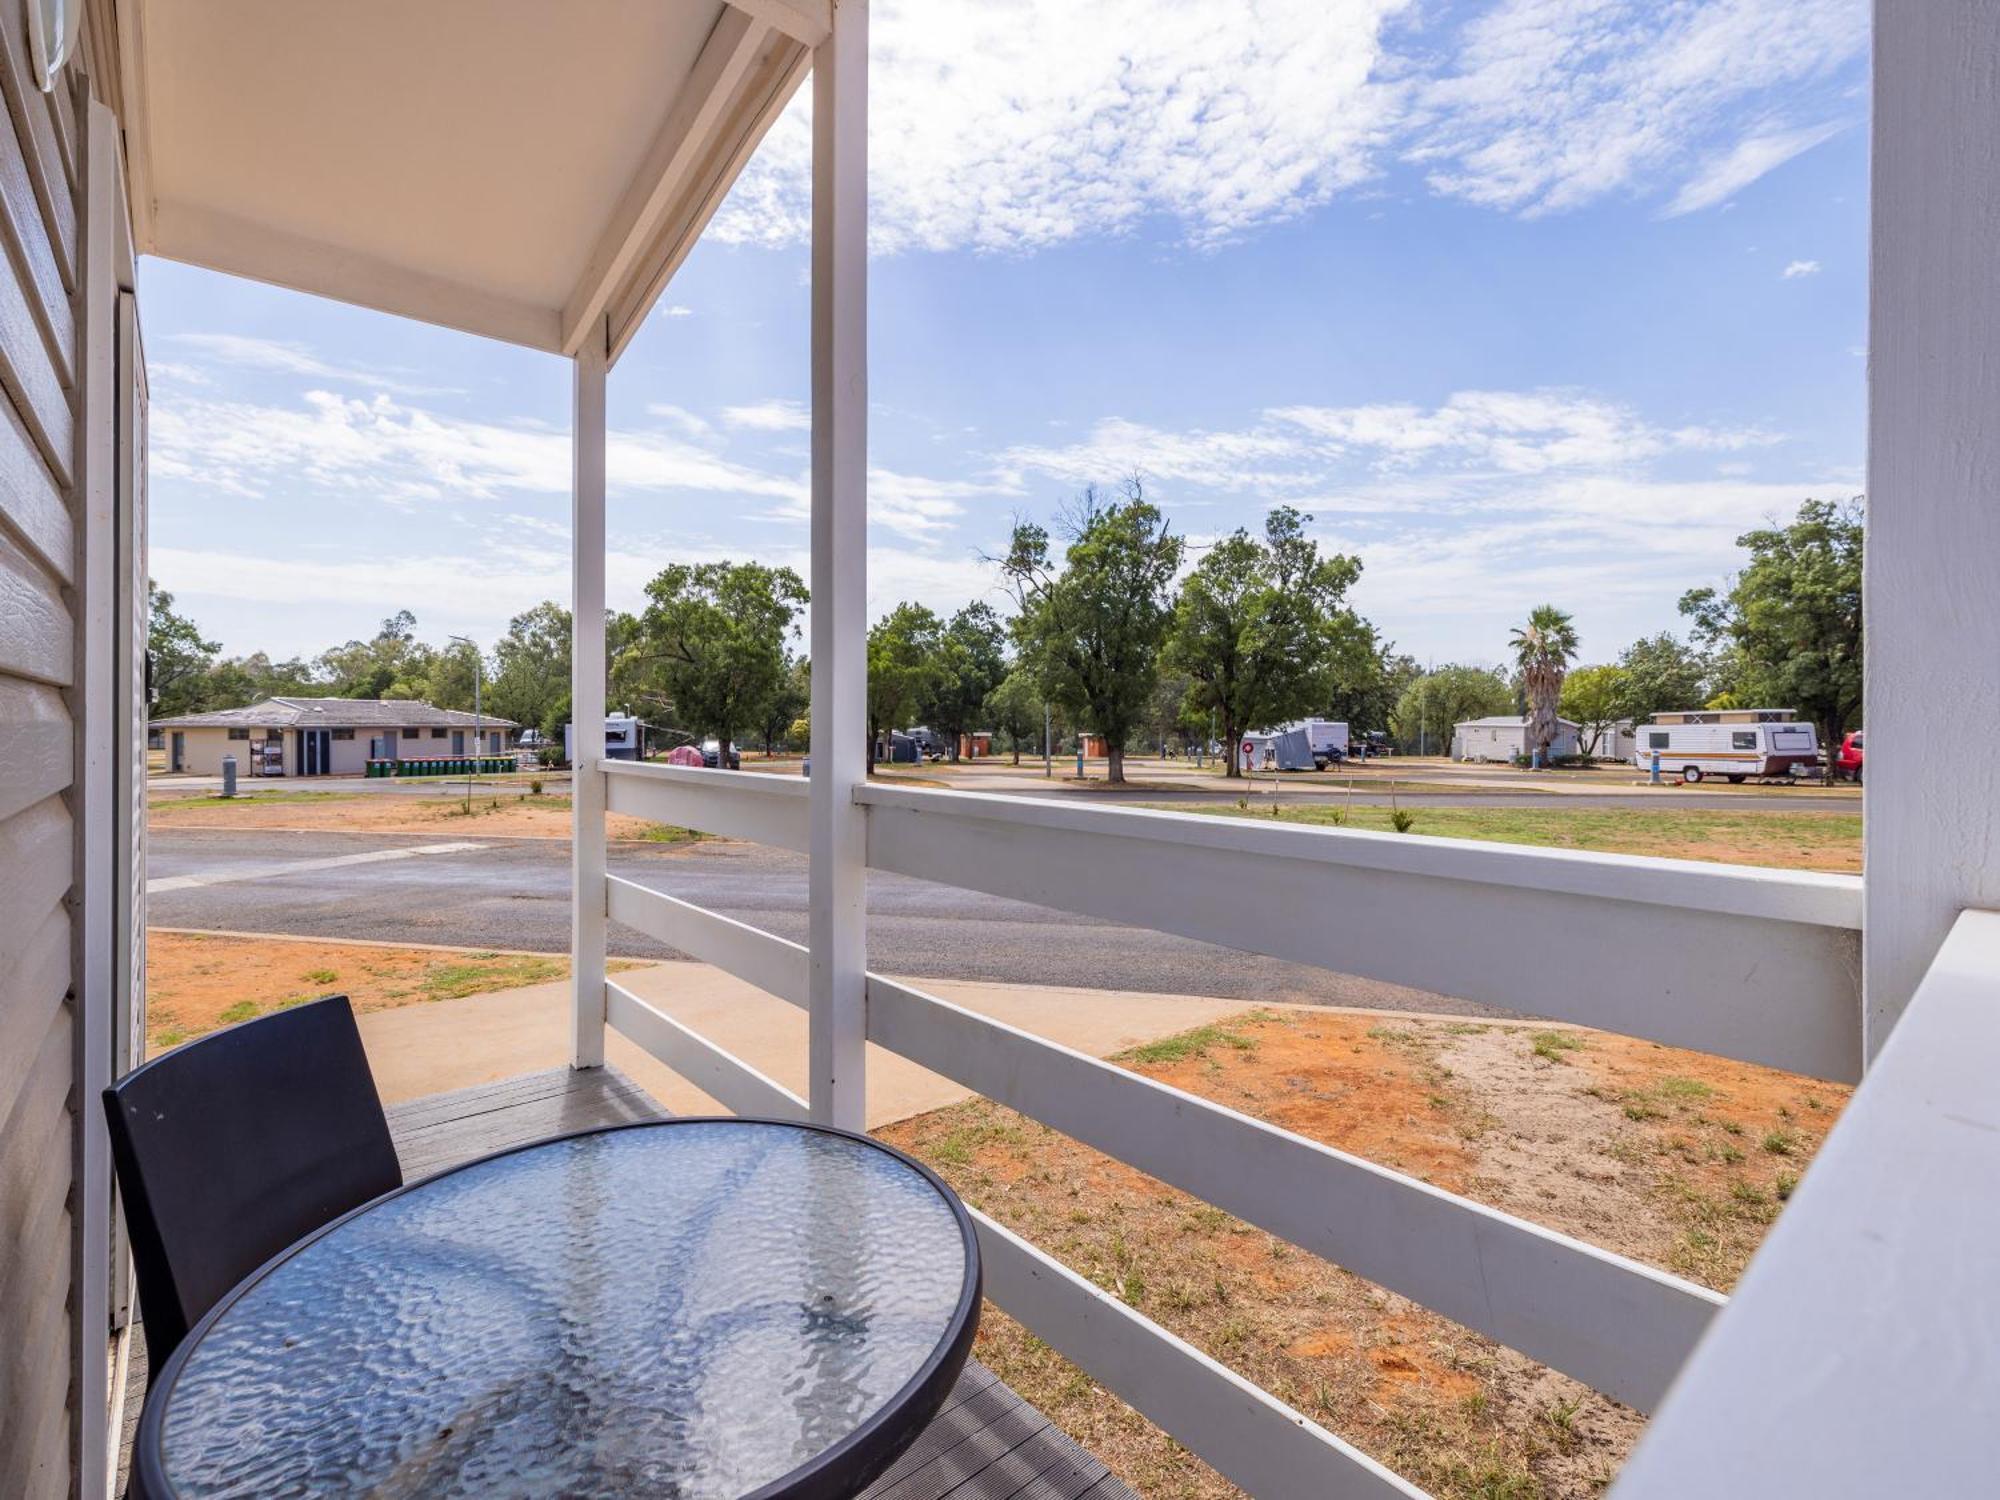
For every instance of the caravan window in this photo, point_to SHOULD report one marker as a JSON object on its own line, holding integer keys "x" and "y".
{"x": 1743, "y": 739}
{"x": 1657, "y": 740}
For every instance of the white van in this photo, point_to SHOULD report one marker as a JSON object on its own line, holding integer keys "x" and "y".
{"x": 1737, "y": 743}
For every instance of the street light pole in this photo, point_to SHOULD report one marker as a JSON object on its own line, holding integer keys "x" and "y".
{"x": 478, "y": 721}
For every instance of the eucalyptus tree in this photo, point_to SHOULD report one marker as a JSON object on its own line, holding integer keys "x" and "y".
{"x": 1262, "y": 632}
{"x": 1092, "y": 629}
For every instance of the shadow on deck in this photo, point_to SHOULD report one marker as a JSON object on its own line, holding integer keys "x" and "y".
{"x": 987, "y": 1443}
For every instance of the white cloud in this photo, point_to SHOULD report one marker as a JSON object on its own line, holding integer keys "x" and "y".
{"x": 779, "y": 414}
{"x": 1011, "y": 127}
{"x": 1014, "y": 126}
{"x": 1724, "y": 176}
{"x": 1799, "y": 268}
{"x": 1294, "y": 448}
{"x": 675, "y": 310}
{"x": 1549, "y": 104}
{"x": 285, "y": 357}
{"x": 396, "y": 452}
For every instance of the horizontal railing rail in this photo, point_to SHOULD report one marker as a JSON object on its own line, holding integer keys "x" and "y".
{"x": 1761, "y": 965}
{"x": 763, "y": 809}
{"x": 1241, "y": 1430}
{"x": 1614, "y": 1324}
{"x": 1863, "y": 1330}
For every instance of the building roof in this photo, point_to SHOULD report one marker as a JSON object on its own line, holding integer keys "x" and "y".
{"x": 1506, "y": 721}
{"x": 335, "y": 713}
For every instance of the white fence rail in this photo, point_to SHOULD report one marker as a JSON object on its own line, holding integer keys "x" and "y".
{"x": 1616, "y": 1325}
{"x": 1241, "y": 1430}
{"x": 1752, "y": 964}
{"x": 1858, "y": 1356}
{"x": 1612, "y": 1323}
{"x": 1762, "y": 965}
{"x": 762, "y": 809}
{"x": 717, "y": 1072}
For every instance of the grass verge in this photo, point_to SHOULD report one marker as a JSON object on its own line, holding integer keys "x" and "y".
{"x": 1782, "y": 839}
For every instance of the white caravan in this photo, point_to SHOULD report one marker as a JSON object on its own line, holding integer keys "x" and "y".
{"x": 1328, "y": 738}
{"x": 1737, "y": 743}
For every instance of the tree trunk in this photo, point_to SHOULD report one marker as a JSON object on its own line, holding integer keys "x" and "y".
{"x": 1115, "y": 754}
{"x": 874, "y": 733}
{"x": 1230, "y": 765}
{"x": 1017, "y": 749}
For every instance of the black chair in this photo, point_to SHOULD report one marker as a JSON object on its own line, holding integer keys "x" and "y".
{"x": 232, "y": 1147}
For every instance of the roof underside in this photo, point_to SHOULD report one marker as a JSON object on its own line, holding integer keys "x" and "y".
{"x": 511, "y": 168}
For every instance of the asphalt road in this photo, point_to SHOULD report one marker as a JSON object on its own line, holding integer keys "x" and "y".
{"x": 514, "y": 893}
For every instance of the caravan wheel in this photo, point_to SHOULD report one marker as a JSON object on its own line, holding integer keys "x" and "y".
{"x": 1691, "y": 775}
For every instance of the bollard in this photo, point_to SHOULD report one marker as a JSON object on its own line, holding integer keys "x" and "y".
{"x": 229, "y": 776}
{"x": 1656, "y": 768}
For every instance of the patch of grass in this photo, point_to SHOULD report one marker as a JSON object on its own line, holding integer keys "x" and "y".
{"x": 667, "y": 833}
{"x": 479, "y": 972}
{"x": 1553, "y": 1044}
{"x": 1683, "y": 1088}
{"x": 1778, "y": 837}
{"x": 320, "y": 976}
{"x": 1780, "y": 1142}
{"x": 1196, "y": 1043}
{"x": 242, "y": 1010}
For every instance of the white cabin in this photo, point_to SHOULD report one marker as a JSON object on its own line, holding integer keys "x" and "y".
{"x": 1505, "y": 737}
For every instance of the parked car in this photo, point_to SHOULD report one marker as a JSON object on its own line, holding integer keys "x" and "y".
{"x": 1847, "y": 759}
{"x": 711, "y": 756}
{"x": 532, "y": 739}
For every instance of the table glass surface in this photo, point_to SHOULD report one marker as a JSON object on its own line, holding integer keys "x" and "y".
{"x": 690, "y": 1309}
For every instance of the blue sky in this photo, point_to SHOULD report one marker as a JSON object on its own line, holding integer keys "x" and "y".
{"x": 1522, "y": 300}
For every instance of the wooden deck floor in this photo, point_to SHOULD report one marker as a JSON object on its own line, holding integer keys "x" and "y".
{"x": 987, "y": 1443}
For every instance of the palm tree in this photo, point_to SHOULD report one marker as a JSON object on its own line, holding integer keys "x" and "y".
{"x": 1543, "y": 649}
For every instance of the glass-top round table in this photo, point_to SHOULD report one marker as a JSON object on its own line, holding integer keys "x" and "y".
{"x": 688, "y": 1308}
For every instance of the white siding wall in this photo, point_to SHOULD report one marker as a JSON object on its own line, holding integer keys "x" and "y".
{"x": 41, "y": 533}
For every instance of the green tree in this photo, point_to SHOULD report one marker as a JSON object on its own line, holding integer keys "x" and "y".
{"x": 531, "y": 664}
{"x": 1543, "y": 649}
{"x": 1594, "y": 698}
{"x": 1437, "y": 702}
{"x": 179, "y": 656}
{"x": 239, "y": 681}
{"x": 370, "y": 668}
{"x": 713, "y": 640}
{"x": 1093, "y": 632}
{"x": 1661, "y": 674}
{"x": 1372, "y": 678}
{"x": 1014, "y": 709}
{"x": 903, "y": 673}
{"x": 1788, "y": 627}
{"x": 787, "y": 705}
{"x": 971, "y": 660}
{"x": 1260, "y": 629}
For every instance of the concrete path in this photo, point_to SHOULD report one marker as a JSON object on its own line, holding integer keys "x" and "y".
{"x": 454, "y": 1044}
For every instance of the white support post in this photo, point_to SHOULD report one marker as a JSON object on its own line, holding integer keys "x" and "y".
{"x": 838, "y": 889}
{"x": 1932, "y": 810}
{"x": 94, "y": 697}
{"x": 586, "y": 931}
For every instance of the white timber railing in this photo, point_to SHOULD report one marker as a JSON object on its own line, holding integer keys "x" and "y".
{"x": 1757, "y": 965}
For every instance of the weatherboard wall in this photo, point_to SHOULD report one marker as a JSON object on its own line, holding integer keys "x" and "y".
{"x": 42, "y": 532}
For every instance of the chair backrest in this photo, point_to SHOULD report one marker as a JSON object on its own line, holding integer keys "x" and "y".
{"x": 232, "y": 1147}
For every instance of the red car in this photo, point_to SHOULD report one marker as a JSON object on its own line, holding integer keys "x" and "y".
{"x": 1847, "y": 759}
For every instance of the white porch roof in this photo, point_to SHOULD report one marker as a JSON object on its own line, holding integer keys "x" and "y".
{"x": 511, "y": 168}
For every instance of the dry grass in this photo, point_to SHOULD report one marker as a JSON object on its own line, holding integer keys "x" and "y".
{"x": 513, "y": 813}
{"x": 196, "y": 983}
{"x": 1658, "y": 1154}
